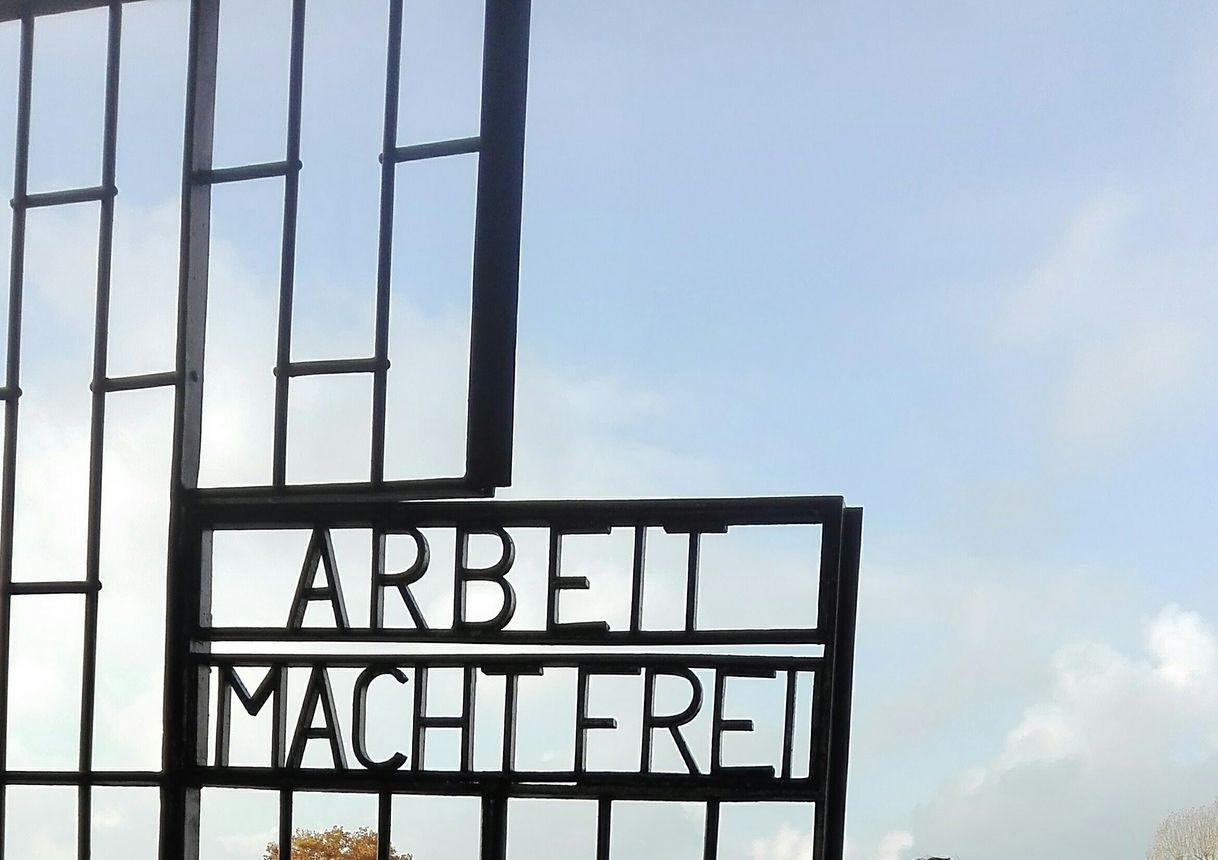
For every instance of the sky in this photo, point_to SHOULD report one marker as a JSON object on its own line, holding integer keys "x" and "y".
{"x": 952, "y": 261}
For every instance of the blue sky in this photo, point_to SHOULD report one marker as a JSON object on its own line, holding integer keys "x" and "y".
{"x": 953, "y": 261}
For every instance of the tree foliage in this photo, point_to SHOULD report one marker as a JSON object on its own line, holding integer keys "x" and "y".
{"x": 1190, "y": 834}
{"x": 337, "y": 843}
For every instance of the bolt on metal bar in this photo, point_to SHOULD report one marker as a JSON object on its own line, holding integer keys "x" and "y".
{"x": 97, "y": 422}
{"x": 287, "y": 260}
{"x": 384, "y": 257}
{"x": 439, "y": 149}
{"x": 13, "y": 381}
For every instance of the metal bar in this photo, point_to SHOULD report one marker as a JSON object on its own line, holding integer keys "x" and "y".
{"x": 639, "y": 563}
{"x": 224, "y": 511}
{"x": 604, "y": 662}
{"x": 691, "y": 582}
{"x": 494, "y": 826}
{"x": 327, "y": 367}
{"x": 287, "y": 259}
{"x": 64, "y": 587}
{"x": 439, "y": 149}
{"x": 590, "y": 785}
{"x": 843, "y": 682}
{"x": 604, "y": 826}
{"x": 355, "y": 491}
{"x": 15, "y": 9}
{"x": 116, "y": 778}
{"x": 245, "y": 172}
{"x": 788, "y": 722}
{"x": 384, "y": 824}
{"x": 384, "y": 257}
{"x": 496, "y": 271}
{"x": 97, "y": 425}
{"x": 285, "y": 824}
{"x": 810, "y": 637}
{"x": 41, "y": 200}
{"x": 139, "y": 381}
{"x": 9, "y": 393}
{"x": 822, "y": 683}
{"x": 188, "y": 579}
{"x": 710, "y": 843}
{"x": 13, "y": 383}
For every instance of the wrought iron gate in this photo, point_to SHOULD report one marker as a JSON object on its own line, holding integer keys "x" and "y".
{"x": 199, "y": 683}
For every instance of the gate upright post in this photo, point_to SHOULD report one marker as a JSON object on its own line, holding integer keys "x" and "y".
{"x": 188, "y": 577}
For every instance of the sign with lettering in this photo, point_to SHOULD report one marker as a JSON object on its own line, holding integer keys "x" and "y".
{"x": 401, "y": 643}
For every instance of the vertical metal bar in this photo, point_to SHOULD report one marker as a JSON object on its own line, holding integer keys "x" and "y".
{"x": 469, "y": 682}
{"x": 188, "y": 578}
{"x": 691, "y": 582}
{"x": 710, "y": 838}
{"x": 636, "y": 579}
{"x": 496, "y": 274}
{"x": 788, "y": 723}
{"x": 604, "y": 827}
{"x": 822, "y": 681}
{"x": 384, "y": 824}
{"x": 843, "y": 681}
{"x": 97, "y": 423}
{"x": 384, "y": 260}
{"x": 12, "y": 383}
{"x": 287, "y": 260}
{"x": 494, "y": 827}
{"x": 285, "y": 824}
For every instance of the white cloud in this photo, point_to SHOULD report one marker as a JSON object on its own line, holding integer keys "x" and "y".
{"x": 1120, "y": 740}
{"x": 1114, "y": 333}
{"x": 787, "y": 844}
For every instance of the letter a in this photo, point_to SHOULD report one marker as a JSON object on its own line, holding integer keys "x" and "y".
{"x": 319, "y": 554}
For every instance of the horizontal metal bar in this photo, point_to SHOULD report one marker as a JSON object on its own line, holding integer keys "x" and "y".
{"x": 439, "y": 149}
{"x": 388, "y": 492}
{"x": 259, "y": 508}
{"x": 64, "y": 198}
{"x": 334, "y": 366}
{"x": 522, "y": 661}
{"x": 14, "y": 9}
{"x": 619, "y": 785}
{"x": 139, "y": 381}
{"x": 245, "y": 172}
{"x": 7, "y": 393}
{"x": 72, "y": 777}
{"x": 643, "y": 638}
{"x": 80, "y": 586}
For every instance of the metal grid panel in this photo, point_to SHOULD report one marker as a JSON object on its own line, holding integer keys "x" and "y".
{"x": 196, "y": 514}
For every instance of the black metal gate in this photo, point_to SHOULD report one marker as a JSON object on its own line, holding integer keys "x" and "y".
{"x": 200, "y": 683}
